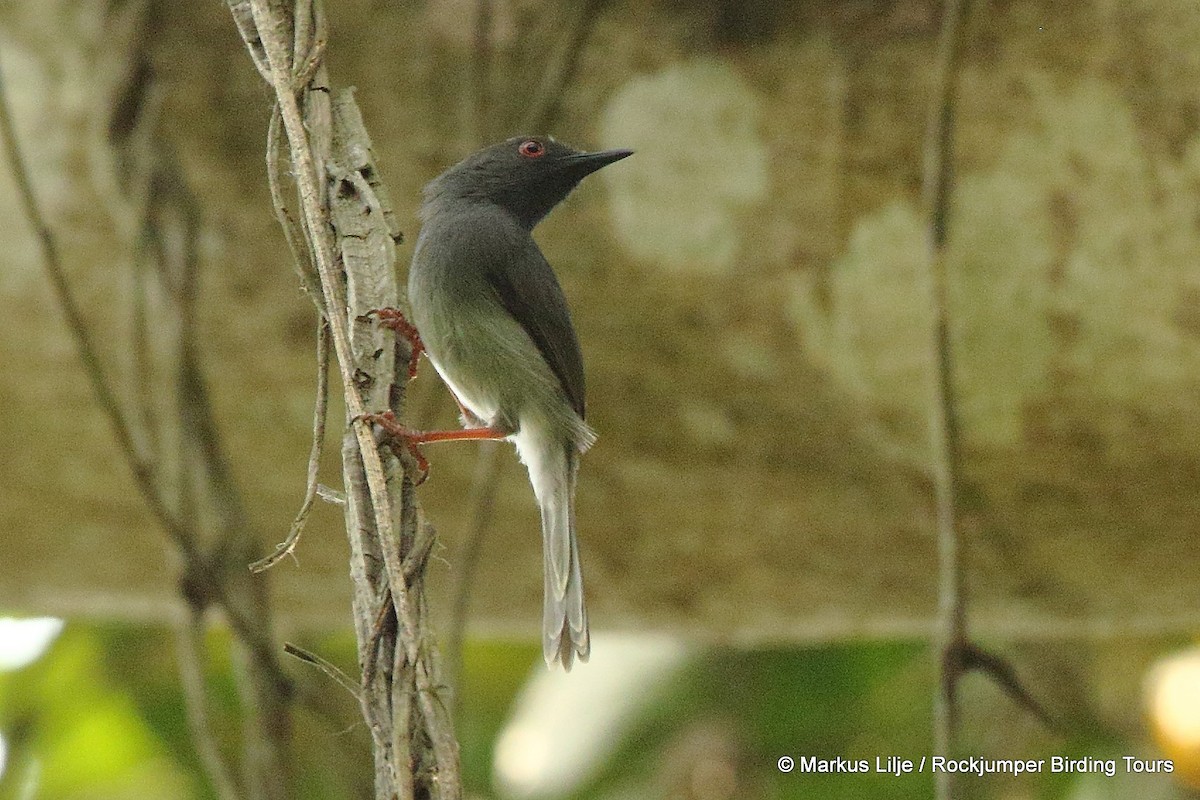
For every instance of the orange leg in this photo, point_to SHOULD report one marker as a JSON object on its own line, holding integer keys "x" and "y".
{"x": 465, "y": 434}
{"x": 411, "y": 440}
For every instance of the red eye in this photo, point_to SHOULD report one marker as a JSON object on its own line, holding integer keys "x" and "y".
{"x": 532, "y": 148}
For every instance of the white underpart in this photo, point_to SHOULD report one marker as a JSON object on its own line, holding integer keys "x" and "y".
{"x": 485, "y": 409}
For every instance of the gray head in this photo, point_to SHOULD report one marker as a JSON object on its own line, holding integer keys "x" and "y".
{"x": 526, "y": 175}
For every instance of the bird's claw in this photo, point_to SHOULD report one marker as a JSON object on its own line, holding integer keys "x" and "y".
{"x": 394, "y": 319}
{"x": 394, "y": 433}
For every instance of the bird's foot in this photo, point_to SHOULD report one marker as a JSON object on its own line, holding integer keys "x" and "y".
{"x": 396, "y": 434}
{"x": 394, "y": 319}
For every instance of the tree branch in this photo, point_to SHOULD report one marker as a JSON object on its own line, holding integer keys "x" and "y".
{"x": 320, "y": 412}
{"x": 957, "y": 654}
{"x": 190, "y": 643}
{"x": 943, "y": 421}
{"x": 349, "y": 231}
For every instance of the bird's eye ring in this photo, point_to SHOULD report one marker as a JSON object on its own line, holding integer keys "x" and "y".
{"x": 532, "y": 148}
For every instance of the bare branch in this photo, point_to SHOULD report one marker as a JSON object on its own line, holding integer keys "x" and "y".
{"x": 320, "y": 412}
{"x": 957, "y": 654}
{"x": 297, "y": 244}
{"x": 272, "y": 32}
{"x": 329, "y": 668}
{"x": 1002, "y": 672}
{"x": 943, "y": 422}
{"x": 190, "y": 645}
{"x": 350, "y": 230}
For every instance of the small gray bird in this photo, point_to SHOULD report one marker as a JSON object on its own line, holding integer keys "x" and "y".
{"x": 494, "y": 322}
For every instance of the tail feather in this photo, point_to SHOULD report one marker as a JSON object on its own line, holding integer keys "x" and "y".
{"x": 564, "y": 619}
{"x": 552, "y": 467}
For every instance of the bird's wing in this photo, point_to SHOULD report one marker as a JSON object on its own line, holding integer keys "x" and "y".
{"x": 529, "y": 290}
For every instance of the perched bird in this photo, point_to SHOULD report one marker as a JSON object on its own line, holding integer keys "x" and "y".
{"x": 493, "y": 320}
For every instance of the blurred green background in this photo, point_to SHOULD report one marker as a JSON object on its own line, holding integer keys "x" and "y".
{"x": 100, "y": 715}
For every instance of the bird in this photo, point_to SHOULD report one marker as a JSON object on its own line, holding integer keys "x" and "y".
{"x": 491, "y": 317}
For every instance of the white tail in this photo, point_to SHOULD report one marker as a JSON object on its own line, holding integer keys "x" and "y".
{"x": 552, "y": 467}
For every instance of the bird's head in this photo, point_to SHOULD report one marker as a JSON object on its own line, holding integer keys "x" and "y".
{"x": 526, "y": 175}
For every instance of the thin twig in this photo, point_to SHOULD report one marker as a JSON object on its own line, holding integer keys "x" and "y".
{"x": 328, "y": 667}
{"x": 1005, "y": 676}
{"x": 437, "y": 723}
{"x": 243, "y": 17}
{"x": 297, "y": 244}
{"x": 402, "y": 710}
{"x": 141, "y": 360}
{"x": 335, "y": 497}
{"x": 302, "y": 36}
{"x": 943, "y": 421}
{"x": 957, "y": 654}
{"x": 320, "y": 413}
{"x": 310, "y": 38}
{"x": 190, "y": 645}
